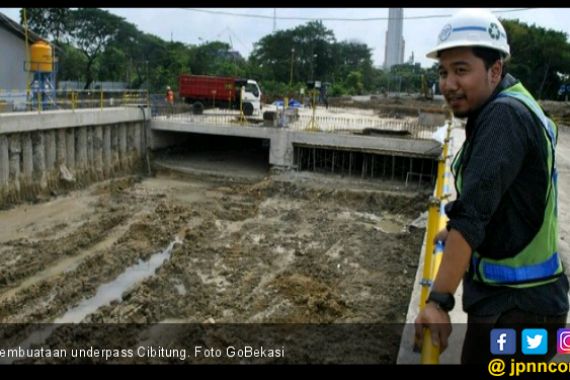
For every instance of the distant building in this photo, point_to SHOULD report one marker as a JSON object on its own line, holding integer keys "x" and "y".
{"x": 395, "y": 44}
{"x": 13, "y": 77}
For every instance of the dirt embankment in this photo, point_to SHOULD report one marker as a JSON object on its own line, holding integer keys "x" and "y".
{"x": 400, "y": 107}
{"x": 392, "y": 107}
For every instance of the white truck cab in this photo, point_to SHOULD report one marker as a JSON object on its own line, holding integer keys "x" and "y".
{"x": 252, "y": 95}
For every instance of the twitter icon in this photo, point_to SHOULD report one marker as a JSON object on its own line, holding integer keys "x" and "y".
{"x": 534, "y": 341}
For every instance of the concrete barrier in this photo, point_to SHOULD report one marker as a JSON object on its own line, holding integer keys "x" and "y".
{"x": 43, "y": 152}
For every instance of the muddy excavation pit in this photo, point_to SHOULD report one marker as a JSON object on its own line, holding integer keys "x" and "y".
{"x": 256, "y": 252}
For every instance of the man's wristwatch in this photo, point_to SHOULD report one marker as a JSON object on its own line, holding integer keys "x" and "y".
{"x": 444, "y": 301}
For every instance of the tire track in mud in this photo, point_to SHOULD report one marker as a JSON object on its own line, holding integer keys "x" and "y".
{"x": 32, "y": 257}
{"x": 259, "y": 258}
{"x": 70, "y": 263}
{"x": 132, "y": 239}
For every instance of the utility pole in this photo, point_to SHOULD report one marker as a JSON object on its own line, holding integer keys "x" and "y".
{"x": 274, "y": 19}
{"x": 291, "y": 72}
{"x": 147, "y": 76}
{"x": 313, "y": 58}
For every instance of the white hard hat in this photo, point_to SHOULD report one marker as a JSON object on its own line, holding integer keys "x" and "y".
{"x": 472, "y": 27}
{"x": 168, "y": 87}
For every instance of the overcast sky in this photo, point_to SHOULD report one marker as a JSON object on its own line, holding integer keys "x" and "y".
{"x": 193, "y": 27}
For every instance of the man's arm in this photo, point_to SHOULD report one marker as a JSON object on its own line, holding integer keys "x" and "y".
{"x": 456, "y": 257}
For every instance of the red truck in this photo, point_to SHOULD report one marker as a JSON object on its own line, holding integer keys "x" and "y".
{"x": 204, "y": 91}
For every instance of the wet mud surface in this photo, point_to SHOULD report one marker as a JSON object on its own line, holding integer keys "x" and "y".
{"x": 269, "y": 251}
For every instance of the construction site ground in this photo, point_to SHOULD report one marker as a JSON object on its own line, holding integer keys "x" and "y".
{"x": 247, "y": 246}
{"x": 287, "y": 248}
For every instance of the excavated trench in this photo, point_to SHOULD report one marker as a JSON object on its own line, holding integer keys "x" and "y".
{"x": 255, "y": 248}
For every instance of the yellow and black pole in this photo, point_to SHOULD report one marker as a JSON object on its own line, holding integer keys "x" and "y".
{"x": 28, "y": 69}
{"x": 442, "y": 193}
{"x": 433, "y": 252}
{"x": 313, "y": 122}
{"x": 242, "y": 119}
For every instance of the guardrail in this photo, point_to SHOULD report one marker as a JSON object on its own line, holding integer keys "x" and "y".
{"x": 434, "y": 251}
{"x": 331, "y": 120}
{"x": 45, "y": 100}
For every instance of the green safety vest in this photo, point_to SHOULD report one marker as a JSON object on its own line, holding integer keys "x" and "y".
{"x": 539, "y": 262}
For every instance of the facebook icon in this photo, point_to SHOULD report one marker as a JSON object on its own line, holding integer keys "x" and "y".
{"x": 503, "y": 341}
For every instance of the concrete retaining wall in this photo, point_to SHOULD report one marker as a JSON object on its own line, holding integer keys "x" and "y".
{"x": 42, "y": 152}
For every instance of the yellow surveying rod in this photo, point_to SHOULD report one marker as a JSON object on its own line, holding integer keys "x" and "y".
{"x": 433, "y": 254}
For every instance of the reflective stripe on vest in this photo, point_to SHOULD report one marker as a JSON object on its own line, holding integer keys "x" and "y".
{"x": 539, "y": 262}
{"x": 506, "y": 274}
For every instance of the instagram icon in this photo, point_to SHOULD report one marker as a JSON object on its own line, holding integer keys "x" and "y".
{"x": 563, "y": 341}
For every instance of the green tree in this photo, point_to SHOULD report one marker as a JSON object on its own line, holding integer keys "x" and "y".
{"x": 354, "y": 83}
{"x": 407, "y": 76}
{"x": 216, "y": 58}
{"x": 91, "y": 30}
{"x": 537, "y": 55}
{"x": 71, "y": 64}
{"x": 113, "y": 64}
{"x": 51, "y": 23}
{"x": 128, "y": 40}
{"x": 351, "y": 56}
{"x": 312, "y": 58}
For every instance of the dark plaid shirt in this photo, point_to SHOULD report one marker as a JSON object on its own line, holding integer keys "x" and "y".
{"x": 502, "y": 201}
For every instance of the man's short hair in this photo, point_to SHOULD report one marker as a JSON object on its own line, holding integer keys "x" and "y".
{"x": 489, "y": 57}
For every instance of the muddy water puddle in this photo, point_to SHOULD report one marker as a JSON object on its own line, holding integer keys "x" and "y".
{"x": 385, "y": 222}
{"x": 113, "y": 290}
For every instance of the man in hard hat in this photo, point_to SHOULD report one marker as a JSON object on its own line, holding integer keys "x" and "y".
{"x": 169, "y": 100}
{"x": 501, "y": 238}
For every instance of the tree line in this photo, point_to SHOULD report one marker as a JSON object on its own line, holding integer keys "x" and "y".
{"x": 95, "y": 45}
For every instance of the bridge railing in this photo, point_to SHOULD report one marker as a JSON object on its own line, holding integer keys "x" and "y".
{"x": 433, "y": 254}
{"x": 38, "y": 100}
{"x": 331, "y": 120}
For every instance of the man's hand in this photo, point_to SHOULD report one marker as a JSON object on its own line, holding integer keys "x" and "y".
{"x": 439, "y": 324}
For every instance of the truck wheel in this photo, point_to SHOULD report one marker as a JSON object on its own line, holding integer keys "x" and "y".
{"x": 248, "y": 109}
{"x": 197, "y": 108}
